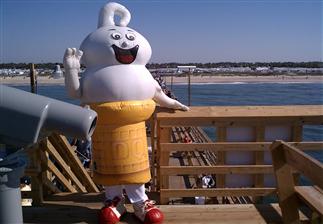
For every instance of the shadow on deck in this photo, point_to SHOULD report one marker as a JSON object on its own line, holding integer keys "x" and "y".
{"x": 83, "y": 208}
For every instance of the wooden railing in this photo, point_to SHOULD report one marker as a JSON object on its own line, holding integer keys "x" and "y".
{"x": 54, "y": 159}
{"x": 258, "y": 127}
{"x": 287, "y": 158}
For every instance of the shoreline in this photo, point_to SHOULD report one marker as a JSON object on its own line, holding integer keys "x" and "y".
{"x": 243, "y": 79}
{"x": 214, "y": 79}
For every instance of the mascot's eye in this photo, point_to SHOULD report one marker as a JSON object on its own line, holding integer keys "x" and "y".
{"x": 116, "y": 36}
{"x": 130, "y": 36}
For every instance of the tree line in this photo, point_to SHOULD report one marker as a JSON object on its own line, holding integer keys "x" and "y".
{"x": 312, "y": 64}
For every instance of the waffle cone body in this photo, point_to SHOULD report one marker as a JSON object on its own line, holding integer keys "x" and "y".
{"x": 120, "y": 154}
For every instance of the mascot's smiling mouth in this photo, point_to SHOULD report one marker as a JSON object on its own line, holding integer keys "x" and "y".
{"x": 125, "y": 56}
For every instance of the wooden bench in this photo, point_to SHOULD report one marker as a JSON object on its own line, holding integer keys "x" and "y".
{"x": 286, "y": 159}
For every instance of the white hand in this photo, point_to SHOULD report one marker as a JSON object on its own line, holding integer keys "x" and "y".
{"x": 72, "y": 59}
{"x": 72, "y": 67}
{"x": 165, "y": 101}
{"x": 180, "y": 106}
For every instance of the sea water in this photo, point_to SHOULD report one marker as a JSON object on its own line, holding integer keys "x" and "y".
{"x": 257, "y": 94}
{"x": 233, "y": 94}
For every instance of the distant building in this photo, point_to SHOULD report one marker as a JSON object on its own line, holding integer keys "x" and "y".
{"x": 185, "y": 68}
{"x": 262, "y": 69}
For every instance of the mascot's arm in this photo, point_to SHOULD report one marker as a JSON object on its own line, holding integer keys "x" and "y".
{"x": 72, "y": 67}
{"x": 165, "y": 101}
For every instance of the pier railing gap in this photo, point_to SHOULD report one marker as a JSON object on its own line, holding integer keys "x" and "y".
{"x": 286, "y": 122}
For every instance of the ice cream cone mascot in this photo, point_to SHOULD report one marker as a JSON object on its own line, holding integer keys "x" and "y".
{"x": 118, "y": 86}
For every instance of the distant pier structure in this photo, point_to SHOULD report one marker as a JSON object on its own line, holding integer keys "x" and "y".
{"x": 190, "y": 69}
{"x": 57, "y": 72}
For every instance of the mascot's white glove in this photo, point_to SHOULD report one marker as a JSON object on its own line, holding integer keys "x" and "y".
{"x": 72, "y": 59}
{"x": 72, "y": 67}
{"x": 181, "y": 106}
{"x": 165, "y": 101}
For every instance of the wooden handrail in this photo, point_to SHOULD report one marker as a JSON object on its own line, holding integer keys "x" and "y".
{"x": 242, "y": 115}
{"x": 303, "y": 163}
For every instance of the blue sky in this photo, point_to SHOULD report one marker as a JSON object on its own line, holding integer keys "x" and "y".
{"x": 178, "y": 31}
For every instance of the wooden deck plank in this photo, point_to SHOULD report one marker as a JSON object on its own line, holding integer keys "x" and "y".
{"x": 176, "y": 181}
{"x": 83, "y": 208}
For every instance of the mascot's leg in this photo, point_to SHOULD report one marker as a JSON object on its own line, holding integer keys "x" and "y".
{"x": 144, "y": 208}
{"x": 113, "y": 191}
{"x": 113, "y": 207}
{"x": 136, "y": 192}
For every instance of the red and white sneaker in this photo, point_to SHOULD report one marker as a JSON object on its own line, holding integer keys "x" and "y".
{"x": 112, "y": 211}
{"x": 148, "y": 213}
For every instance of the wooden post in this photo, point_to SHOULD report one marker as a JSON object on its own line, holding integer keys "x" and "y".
{"x": 189, "y": 89}
{"x": 297, "y": 133}
{"x": 33, "y": 79}
{"x": 163, "y": 137}
{"x": 297, "y": 136}
{"x": 259, "y": 160}
{"x": 158, "y": 158}
{"x": 153, "y": 152}
{"x": 171, "y": 82}
{"x": 221, "y": 135}
{"x": 285, "y": 184}
{"x": 46, "y": 175}
{"x": 36, "y": 180}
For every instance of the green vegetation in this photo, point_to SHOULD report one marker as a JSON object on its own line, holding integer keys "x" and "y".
{"x": 27, "y": 65}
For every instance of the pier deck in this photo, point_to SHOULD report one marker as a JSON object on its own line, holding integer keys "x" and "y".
{"x": 83, "y": 208}
{"x": 180, "y": 155}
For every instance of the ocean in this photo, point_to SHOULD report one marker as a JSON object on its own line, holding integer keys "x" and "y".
{"x": 258, "y": 94}
{"x": 234, "y": 94}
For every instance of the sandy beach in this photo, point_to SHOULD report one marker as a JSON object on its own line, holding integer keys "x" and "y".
{"x": 23, "y": 80}
{"x": 46, "y": 80}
